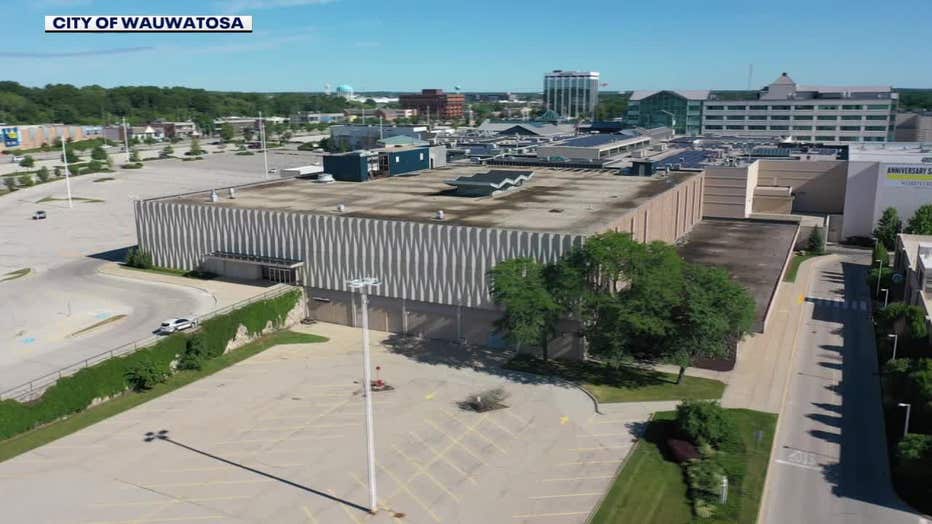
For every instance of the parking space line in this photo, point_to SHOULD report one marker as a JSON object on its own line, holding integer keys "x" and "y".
{"x": 261, "y": 440}
{"x": 172, "y": 501}
{"x": 454, "y": 441}
{"x": 201, "y": 483}
{"x": 542, "y": 515}
{"x": 163, "y": 519}
{"x": 476, "y": 431}
{"x": 423, "y": 471}
{"x": 568, "y": 479}
{"x": 516, "y": 417}
{"x": 350, "y": 514}
{"x": 541, "y": 497}
{"x": 445, "y": 459}
{"x": 403, "y": 486}
{"x": 310, "y": 516}
{"x": 502, "y": 427}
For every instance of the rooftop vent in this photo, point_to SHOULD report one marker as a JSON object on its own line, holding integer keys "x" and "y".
{"x": 341, "y": 208}
{"x": 438, "y": 215}
{"x": 213, "y": 195}
{"x": 232, "y": 192}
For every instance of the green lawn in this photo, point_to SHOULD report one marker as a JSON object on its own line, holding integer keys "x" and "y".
{"x": 652, "y": 490}
{"x": 76, "y": 199}
{"x": 22, "y": 443}
{"x": 791, "y": 271}
{"x": 622, "y": 384}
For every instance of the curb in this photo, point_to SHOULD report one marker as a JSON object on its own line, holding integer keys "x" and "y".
{"x": 594, "y": 400}
{"x": 100, "y": 271}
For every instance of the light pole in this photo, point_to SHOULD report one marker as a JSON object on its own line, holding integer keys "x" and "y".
{"x": 905, "y": 424}
{"x": 265, "y": 150}
{"x": 886, "y": 297}
{"x": 363, "y": 284}
{"x": 879, "y": 276}
{"x": 64, "y": 159}
{"x": 895, "y": 338}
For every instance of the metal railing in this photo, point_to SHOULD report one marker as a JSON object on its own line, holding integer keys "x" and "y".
{"x": 33, "y": 389}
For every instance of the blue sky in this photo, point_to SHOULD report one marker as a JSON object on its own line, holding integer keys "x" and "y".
{"x": 481, "y": 45}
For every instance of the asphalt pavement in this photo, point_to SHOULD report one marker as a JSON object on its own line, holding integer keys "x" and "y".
{"x": 829, "y": 463}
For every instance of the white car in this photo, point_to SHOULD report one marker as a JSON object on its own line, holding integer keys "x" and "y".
{"x": 175, "y": 324}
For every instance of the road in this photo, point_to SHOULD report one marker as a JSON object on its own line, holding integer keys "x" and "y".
{"x": 829, "y": 463}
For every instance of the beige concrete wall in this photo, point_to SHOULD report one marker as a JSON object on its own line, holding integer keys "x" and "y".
{"x": 729, "y": 191}
{"x": 773, "y": 200}
{"x": 668, "y": 216}
{"x": 818, "y": 185}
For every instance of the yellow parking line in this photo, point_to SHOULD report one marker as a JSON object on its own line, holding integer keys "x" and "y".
{"x": 542, "y": 515}
{"x": 310, "y": 516}
{"x": 445, "y": 459}
{"x": 540, "y": 497}
{"x": 404, "y": 487}
{"x": 501, "y": 426}
{"x": 350, "y": 514}
{"x": 454, "y": 441}
{"x": 516, "y": 417}
{"x": 163, "y": 519}
{"x": 423, "y": 471}
{"x": 477, "y": 432}
{"x": 568, "y": 479}
{"x": 174, "y": 500}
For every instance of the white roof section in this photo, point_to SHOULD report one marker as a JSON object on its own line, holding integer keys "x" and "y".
{"x": 845, "y": 89}
{"x": 689, "y": 94}
{"x": 892, "y": 152}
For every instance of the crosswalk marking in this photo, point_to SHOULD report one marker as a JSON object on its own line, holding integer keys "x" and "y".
{"x": 854, "y": 305}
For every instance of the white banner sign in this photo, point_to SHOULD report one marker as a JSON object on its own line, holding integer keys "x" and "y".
{"x": 915, "y": 176}
{"x": 148, "y": 24}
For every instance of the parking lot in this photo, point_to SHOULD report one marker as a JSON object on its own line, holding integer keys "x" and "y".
{"x": 280, "y": 438}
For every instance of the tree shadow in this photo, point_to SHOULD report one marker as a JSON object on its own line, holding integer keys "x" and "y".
{"x": 828, "y": 420}
{"x": 830, "y": 365}
{"x": 827, "y": 436}
{"x": 834, "y": 408}
{"x": 162, "y": 435}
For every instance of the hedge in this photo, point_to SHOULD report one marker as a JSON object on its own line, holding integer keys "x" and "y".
{"x": 108, "y": 378}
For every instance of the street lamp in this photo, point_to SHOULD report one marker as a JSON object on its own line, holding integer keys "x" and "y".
{"x": 886, "y": 297}
{"x": 895, "y": 338}
{"x": 363, "y": 284}
{"x": 906, "y": 424}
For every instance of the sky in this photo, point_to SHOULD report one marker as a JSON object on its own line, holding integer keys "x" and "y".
{"x": 480, "y": 45}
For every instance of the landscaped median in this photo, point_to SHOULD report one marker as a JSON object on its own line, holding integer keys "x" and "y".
{"x": 622, "y": 383}
{"x": 120, "y": 383}
{"x": 653, "y": 488}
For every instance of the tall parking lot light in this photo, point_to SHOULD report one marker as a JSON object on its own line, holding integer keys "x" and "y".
{"x": 363, "y": 284}
{"x": 64, "y": 159}
{"x": 265, "y": 149}
{"x": 906, "y": 423}
{"x": 896, "y": 339}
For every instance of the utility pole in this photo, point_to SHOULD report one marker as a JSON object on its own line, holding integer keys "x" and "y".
{"x": 126, "y": 139}
{"x": 362, "y": 284}
{"x": 64, "y": 158}
{"x": 265, "y": 150}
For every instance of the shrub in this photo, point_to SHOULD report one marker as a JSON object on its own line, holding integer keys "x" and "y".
{"x": 98, "y": 153}
{"x": 10, "y": 183}
{"x": 57, "y": 170}
{"x": 140, "y": 258}
{"x": 194, "y": 354}
{"x": 132, "y": 165}
{"x": 682, "y": 450}
{"x": 912, "y": 459}
{"x": 704, "y": 478}
{"x": 904, "y": 319}
{"x": 486, "y": 400}
{"x": 704, "y": 422}
{"x": 26, "y": 180}
{"x": 816, "y": 242}
{"x": 145, "y": 374}
{"x": 886, "y": 277}
{"x": 133, "y": 155}
{"x": 43, "y": 174}
{"x": 27, "y": 161}
{"x": 881, "y": 254}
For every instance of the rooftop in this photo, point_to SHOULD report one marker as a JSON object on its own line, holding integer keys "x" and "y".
{"x": 597, "y": 140}
{"x": 898, "y": 152}
{"x": 556, "y": 200}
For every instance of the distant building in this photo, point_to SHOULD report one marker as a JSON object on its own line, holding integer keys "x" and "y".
{"x": 572, "y": 94}
{"x": 239, "y": 123}
{"x": 179, "y": 129}
{"x": 390, "y": 115}
{"x": 353, "y": 137}
{"x": 913, "y": 260}
{"x": 313, "y": 117}
{"x": 914, "y": 127}
{"x": 807, "y": 113}
{"x": 32, "y": 136}
{"x": 678, "y": 109}
{"x": 434, "y": 102}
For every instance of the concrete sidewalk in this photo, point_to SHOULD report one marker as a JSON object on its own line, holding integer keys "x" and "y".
{"x": 762, "y": 370}
{"x": 224, "y": 292}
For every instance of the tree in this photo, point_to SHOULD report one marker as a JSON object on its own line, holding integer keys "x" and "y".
{"x": 167, "y": 151}
{"x": 27, "y": 161}
{"x": 57, "y": 170}
{"x": 704, "y": 422}
{"x": 99, "y": 153}
{"x": 70, "y": 156}
{"x": 880, "y": 254}
{"x": 888, "y": 227}
{"x": 144, "y": 375}
{"x": 195, "y": 147}
{"x": 227, "y": 132}
{"x": 248, "y": 134}
{"x": 921, "y": 222}
{"x": 531, "y": 314}
{"x": 714, "y": 314}
{"x": 43, "y": 174}
{"x": 10, "y": 183}
{"x": 816, "y": 242}
{"x": 134, "y": 155}
{"x": 26, "y": 180}
{"x": 906, "y": 320}
{"x": 194, "y": 354}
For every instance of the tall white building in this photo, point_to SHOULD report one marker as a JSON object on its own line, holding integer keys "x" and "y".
{"x": 571, "y": 94}
{"x": 806, "y": 113}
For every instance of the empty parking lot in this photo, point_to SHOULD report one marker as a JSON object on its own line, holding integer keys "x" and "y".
{"x": 279, "y": 438}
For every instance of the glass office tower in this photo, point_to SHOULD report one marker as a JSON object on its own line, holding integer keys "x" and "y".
{"x": 572, "y": 94}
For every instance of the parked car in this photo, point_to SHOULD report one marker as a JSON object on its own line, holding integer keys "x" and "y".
{"x": 16, "y": 159}
{"x": 38, "y": 215}
{"x": 175, "y": 324}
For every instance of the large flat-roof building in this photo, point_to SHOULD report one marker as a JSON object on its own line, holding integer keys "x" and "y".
{"x": 435, "y": 102}
{"x": 807, "y": 113}
{"x": 678, "y": 109}
{"x": 571, "y": 94}
{"x": 433, "y": 265}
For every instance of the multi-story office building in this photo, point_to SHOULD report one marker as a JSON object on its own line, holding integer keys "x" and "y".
{"x": 806, "y": 113}
{"x": 679, "y": 110}
{"x": 445, "y": 106}
{"x": 571, "y": 94}
{"x": 914, "y": 127}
